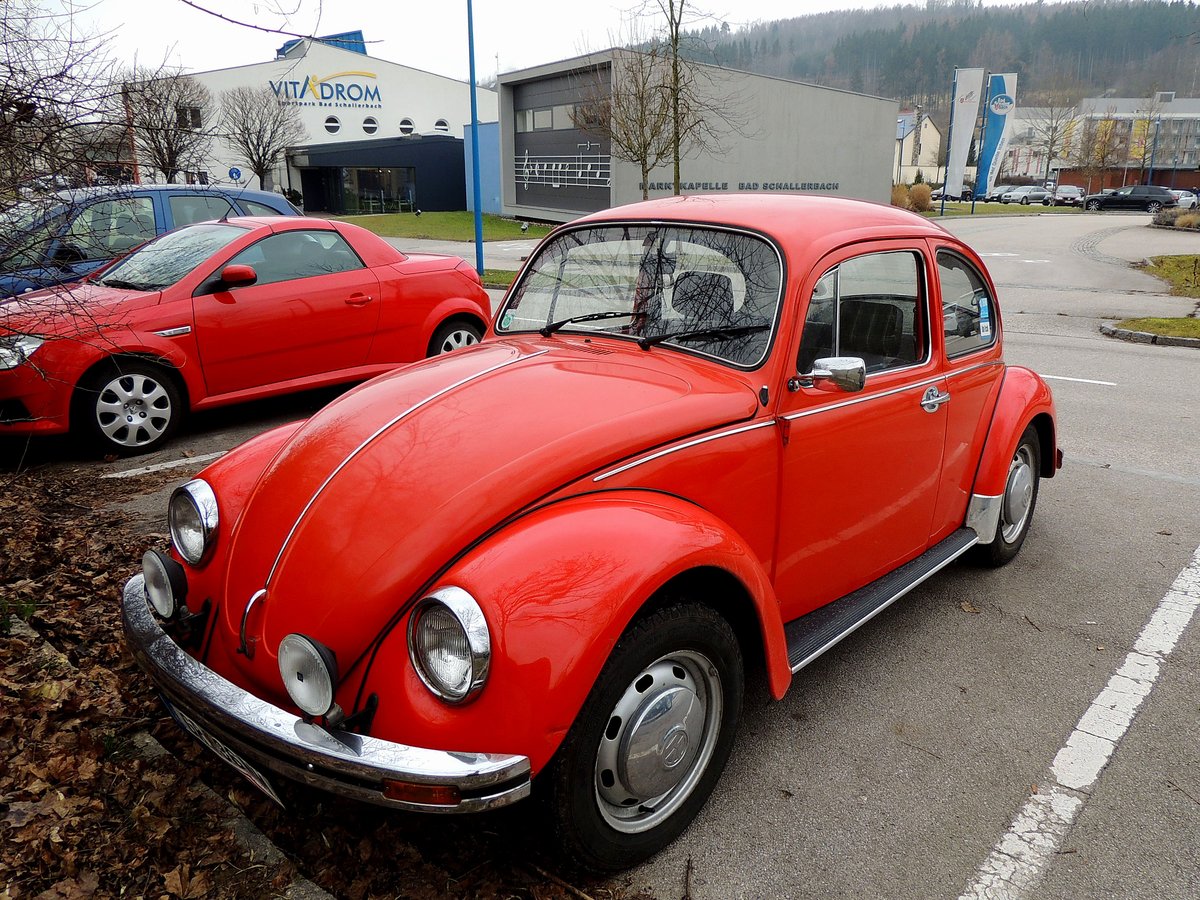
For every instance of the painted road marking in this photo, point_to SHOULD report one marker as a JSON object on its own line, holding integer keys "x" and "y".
{"x": 1019, "y": 861}
{"x": 997, "y": 254}
{"x": 170, "y": 464}
{"x": 1080, "y": 380}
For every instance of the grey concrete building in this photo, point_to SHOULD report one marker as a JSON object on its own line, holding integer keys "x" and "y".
{"x": 785, "y": 137}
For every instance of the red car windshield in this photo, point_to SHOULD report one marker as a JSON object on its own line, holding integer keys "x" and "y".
{"x": 162, "y": 262}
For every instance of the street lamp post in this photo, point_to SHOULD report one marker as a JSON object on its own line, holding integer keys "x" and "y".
{"x": 475, "y": 145}
{"x": 1174, "y": 169}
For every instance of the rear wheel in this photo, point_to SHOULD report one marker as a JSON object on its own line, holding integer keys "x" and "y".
{"x": 1018, "y": 502}
{"x": 454, "y": 336}
{"x": 130, "y": 406}
{"x": 1092, "y": 205}
{"x": 1153, "y": 207}
{"x": 650, "y": 742}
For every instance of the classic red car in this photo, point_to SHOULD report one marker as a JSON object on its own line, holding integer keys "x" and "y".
{"x": 705, "y": 433}
{"x": 221, "y": 312}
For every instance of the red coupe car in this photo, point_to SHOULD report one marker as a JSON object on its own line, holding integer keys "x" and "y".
{"x": 706, "y": 433}
{"x": 221, "y": 312}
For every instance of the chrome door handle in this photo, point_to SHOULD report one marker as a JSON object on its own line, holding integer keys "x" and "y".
{"x": 933, "y": 399}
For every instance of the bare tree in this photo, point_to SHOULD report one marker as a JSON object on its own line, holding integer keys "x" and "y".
{"x": 1143, "y": 134}
{"x": 1054, "y": 126}
{"x": 626, "y": 106}
{"x": 260, "y": 128}
{"x": 1100, "y": 147}
{"x": 167, "y": 113}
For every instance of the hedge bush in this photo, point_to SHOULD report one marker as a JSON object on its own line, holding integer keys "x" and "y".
{"x": 919, "y": 198}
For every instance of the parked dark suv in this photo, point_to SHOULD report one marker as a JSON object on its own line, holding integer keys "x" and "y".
{"x": 66, "y": 235}
{"x": 1146, "y": 197}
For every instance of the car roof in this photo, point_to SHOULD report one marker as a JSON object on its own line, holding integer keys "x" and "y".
{"x": 805, "y": 218}
{"x": 76, "y": 195}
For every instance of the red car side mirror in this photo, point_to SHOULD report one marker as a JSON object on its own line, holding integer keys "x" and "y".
{"x": 238, "y": 275}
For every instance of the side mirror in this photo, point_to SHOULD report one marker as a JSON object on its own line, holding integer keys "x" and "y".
{"x": 67, "y": 254}
{"x": 839, "y": 373}
{"x": 236, "y": 276}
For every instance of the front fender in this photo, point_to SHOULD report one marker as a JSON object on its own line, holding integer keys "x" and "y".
{"x": 1024, "y": 399}
{"x": 558, "y": 587}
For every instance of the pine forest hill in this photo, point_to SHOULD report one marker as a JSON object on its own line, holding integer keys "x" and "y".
{"x": 1061, "y": 52}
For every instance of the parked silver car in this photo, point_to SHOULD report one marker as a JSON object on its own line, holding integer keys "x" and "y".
{"x": 1025, "y": 195}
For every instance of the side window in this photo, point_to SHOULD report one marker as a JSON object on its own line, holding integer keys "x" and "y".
{"x": 189, "y": 209}
{"x": 870, "y": 307}
{"x": 298, "y": 254}
{"x": 967, "y": 308}
{"x": 111, "y": 227}
{"x": 258, "y": 209}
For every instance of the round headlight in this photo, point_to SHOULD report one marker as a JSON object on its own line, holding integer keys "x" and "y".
{"x": 166, "y": 583}
{"x": 309, "y": 672}
{"x": 449, "y": 644}
{"x": 192, "y": 514}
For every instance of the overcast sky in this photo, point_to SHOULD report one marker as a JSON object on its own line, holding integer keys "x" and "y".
{"x": 424, "y": 34}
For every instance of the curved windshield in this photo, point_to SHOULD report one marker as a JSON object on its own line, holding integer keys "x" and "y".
{"x": 163, "y": 262}
{"x": 705, "y": 290}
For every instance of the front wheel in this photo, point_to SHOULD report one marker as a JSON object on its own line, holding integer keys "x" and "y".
{"x": 1018, "y": 502}
{"x": 1024, "y": 201}
{"x": 454, "y": 336}
{"x": 129, "y": 407}
{"x": 650, "y": 742}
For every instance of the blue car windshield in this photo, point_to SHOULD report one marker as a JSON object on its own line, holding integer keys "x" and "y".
{"x": 164, "y": 261}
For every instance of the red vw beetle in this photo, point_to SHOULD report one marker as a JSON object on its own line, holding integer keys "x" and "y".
{"x": 705, "y": 432}
{"x": 221, "y": 312}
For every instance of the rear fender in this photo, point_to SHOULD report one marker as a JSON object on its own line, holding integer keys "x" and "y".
{"x": 1024, "y": 400}
{"x": 558, "y": 587}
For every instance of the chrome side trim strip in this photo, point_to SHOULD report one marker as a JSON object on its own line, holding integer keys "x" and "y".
{"x": 175, "y": 332}
{"x": 345, "y": 763}
{"x": 869, "y": 397}
{"x": 983, "y": 516}
{"x": 900, "y": 593}
{"x": 669, "y": 450}
{"x": 379, "y": 433}
{"x": 987, "y": 365}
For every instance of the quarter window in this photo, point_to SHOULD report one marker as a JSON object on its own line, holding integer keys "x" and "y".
{"x": 298, "y": 254}
{"x": 968, "y": 313}
{"x": 869, "y": 307}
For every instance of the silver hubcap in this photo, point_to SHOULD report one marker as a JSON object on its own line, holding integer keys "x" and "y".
{"x": 133, "y": 410}
{"x": 1018, "y": 494}
{"x": 658, "y": 741}
{"x": 455, "y": 340}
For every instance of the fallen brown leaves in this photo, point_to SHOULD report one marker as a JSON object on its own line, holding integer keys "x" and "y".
{"x": 83, "y": 814}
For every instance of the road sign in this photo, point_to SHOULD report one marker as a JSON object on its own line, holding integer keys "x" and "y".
{"x": 235, "y": 174}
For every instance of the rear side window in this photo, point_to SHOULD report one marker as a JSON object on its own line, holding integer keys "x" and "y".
{"x": 870, "y": 307}
{"x": 298, "y": 254}
{"x": 259, "y": 209}
{"x": 968, "y": 311}
{"x": 189, "y": 209}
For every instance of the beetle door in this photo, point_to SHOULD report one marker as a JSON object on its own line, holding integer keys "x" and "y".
{"x": 860, "y": 470}
{"x": 313, "y": 309}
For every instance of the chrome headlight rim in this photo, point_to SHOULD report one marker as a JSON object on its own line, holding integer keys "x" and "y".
{"x": 326, "y": 668}
{"x": 469, "y": 615}
{"x": 201, "y": 497}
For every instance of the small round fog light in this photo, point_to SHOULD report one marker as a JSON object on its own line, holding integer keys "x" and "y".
{"x": 309, "y": 671}
{"x": 166, "y": 583}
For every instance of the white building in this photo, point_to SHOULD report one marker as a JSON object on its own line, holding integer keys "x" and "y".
{"x": 917, "y": 150}
{"x": 379, "y": 110}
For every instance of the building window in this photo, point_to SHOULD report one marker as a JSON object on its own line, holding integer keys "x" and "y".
{"x": 406, "y": 126}
{"x": 332, "y": 125}
{"x": 187, "y": 117}
{"x": 564, "y": 117}
{"x": 542, "y": 118}
{"x": 370, "y": 126}
{"x": 441, "y": 125}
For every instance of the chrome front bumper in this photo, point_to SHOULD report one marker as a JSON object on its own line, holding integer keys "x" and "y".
{"x": 347, "y": 764}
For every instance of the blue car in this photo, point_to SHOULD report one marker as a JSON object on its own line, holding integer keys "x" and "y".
{"x": 66, "y": 235}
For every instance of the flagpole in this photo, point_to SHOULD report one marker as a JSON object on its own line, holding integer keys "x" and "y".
{"x": 949, "y": 138}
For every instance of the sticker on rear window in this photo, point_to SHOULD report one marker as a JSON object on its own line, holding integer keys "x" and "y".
{"x": 985, "y": 323}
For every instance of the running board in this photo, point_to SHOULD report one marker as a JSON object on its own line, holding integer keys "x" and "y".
{"x": 810, "y": 636}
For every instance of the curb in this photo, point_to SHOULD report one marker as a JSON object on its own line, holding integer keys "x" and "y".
{"x": 1145, "y": 337}
{"x": 247, "y": 835}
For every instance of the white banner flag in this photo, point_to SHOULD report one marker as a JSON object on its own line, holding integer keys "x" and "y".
{"x": 968, "y": 89}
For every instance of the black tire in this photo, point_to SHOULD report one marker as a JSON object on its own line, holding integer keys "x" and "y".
{"x": 681, "y": 659}
{"x": 129, "y": 406}
{"x": 1018, "y": 504}
{"x": 1024, "y": 201}
{"x": 1153, "y": 207}
{"x": 454, "y": 335}
{"x": 1093, "y": 205}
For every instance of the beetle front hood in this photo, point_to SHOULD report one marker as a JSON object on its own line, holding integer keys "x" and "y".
{"x": 378, "y": 491}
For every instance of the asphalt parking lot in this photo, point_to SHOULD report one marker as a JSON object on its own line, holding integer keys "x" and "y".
{"x": 939, "y": 751}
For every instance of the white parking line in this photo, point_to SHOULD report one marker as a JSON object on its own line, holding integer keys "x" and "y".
{"x": 1019, "y": 861}
{"x": 1080, "y": 380}
{"x": 170, "y": 464}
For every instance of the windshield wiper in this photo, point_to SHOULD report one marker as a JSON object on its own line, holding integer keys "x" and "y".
{"x": 701, "y": 334}
{"x": 550, "y": 327}
{"x": 126, "y": 285}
